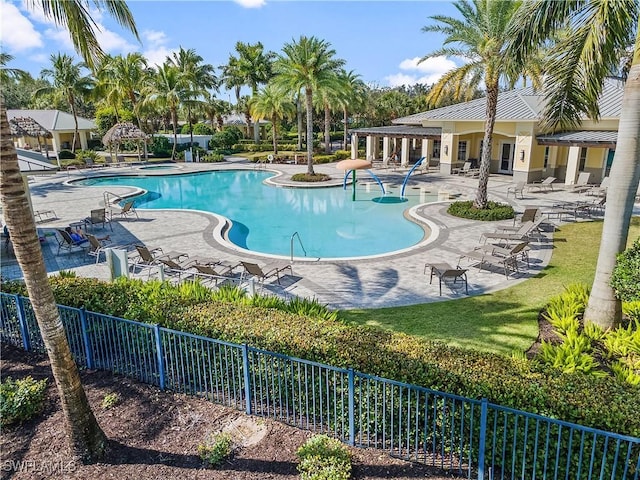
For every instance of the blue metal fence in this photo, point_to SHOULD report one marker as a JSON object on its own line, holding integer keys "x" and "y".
{"x": 472, "y": 437}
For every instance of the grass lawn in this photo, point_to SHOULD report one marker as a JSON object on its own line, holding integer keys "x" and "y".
{"x": 505, "y": 320}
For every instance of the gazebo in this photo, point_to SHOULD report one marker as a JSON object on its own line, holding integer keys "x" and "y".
{"x": 125, "y": 132}
{"x": 28, "y": 127}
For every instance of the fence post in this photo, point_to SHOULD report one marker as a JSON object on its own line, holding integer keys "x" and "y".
{"x": 352, "y": 407}
{"x": 88, "y": 353}
{"x": 247, "y": 378}
{"x": 483, "y": 435}
{"x": 22, "y": 321}
{"x": 159, "y": 356}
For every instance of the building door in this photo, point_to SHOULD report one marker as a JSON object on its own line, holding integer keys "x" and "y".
{"x": 607, "y": 168}
{"x": 506, "y": 157}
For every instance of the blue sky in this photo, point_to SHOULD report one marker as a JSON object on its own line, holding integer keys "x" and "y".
{"x": 380, "y": 40}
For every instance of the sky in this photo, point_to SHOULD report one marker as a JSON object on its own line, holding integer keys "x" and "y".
{"x": 382, "y": 41}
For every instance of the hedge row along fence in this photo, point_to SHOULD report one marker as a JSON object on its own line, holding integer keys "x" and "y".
{"x": 467, "y": 435}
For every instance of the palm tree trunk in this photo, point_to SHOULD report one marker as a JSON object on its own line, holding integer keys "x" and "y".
{"x": 327, "y": 129}
{"x": 485, "y": 160}
{"x": 72, "y": 104}
{"x": 190, "y": 126}
{"x": 174, "y": 121}
{"x": 345, "y": 119}
{"x": 299, "y": 118}
{"x": 274, "y": 132}
{"x": 87, "y": 440}
{"x": 603, "y": 307}
{"x": 309, "y": 97}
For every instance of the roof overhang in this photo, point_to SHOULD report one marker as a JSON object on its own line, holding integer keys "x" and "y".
{"x": 580, "y": 138}
{"x": 33, "y": 163}
{"x": 407, "y": 131}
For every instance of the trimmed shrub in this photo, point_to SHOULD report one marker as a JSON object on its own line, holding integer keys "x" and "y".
{"x": 625, "y": 279}
{"x": 494, "y": 211}
{"x": 303, "y": 177}
{"x": 160, "y": 146}
{"x": 212, "y": 158}
{"x": 324, "y": 458}
{"x": 85, "y": 155}
{"x": 215, "y": 449}
{"x": 21, "y": 399}
{"x": 198, "y": 129}
{"x": 66, "y": 155}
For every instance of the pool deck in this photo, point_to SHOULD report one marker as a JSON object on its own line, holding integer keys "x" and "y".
{"x": 391, "y": 280}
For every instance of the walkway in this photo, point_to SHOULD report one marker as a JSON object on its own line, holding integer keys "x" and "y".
{"x": 377, "y": 282}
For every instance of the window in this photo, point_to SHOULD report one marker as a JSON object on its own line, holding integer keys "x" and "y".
{"x": 583, "y": 159}
{"x": 436, "y": 149}
{"x": 462, "y": 151}
{"x": 546, "y": 158}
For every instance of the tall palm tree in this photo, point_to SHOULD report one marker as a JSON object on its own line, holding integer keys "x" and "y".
{"x": 329, "y": 98}
{"x": 214, "y": 109}
{"x": 7, "y": 73}
{"x": 254, "y": 67}
{"x": 580, "y": 61}
{"x": 86, "y": 439}
{"x": 196, "y": 76}
{"x": 275, "y": 104}
{"x": 353, "y": 96}
{"x": 481, "y": 38}
{"x": 166, "y": 89}
{"x": 69, "y": 83}
{"x": 124, "y": 78}
{"x": 308, "y": 64}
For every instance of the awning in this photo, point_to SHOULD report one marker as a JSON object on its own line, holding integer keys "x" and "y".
{"x": 581, "y": 138}
{"x": 407, "y": 131}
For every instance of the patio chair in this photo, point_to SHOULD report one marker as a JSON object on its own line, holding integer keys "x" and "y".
{"x": 171, "y": 266}
{"x": 100, "y": 245}
{"x": 127, "y": 210}
{"x": 484, "y": 255}
{"x": 65, "y": 242}
{"x": 445, "y": 271}
{"x": 515, "y": 189}
{"x": 600, "y": 190}
{"x": 525, "y": 231}
{"x": 150, "y": 256}
{"x": 210, "y": 272}
{"x": 98, "y": 216}
{"x": 543, "y": 186}
{"x": 266, "y": 272}
{"x": 582, "y": 183}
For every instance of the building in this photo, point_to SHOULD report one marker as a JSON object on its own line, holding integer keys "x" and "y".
{"x": 452, "y": 135}
{"x": 61, "y": 126}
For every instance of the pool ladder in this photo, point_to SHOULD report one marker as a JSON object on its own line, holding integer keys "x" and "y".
{"x": 110, "y": 198}
{"x": 297, "y": 235}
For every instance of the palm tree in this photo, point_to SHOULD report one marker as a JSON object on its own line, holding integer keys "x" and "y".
{"x": 86, "y": 439}
{"x": 275, "y": 104}
{"x": 580, "y": 61}
{"x": 330, "y": 97}
{"x": 307, "y": 64}
{"x": 166, "y": 90}
{"x": 196, "y": 76}
{"x": 353, "y": 96}
{"x": 481, "y": 37}
{"x": 123, "y": 78}
{"x": 214, "y": 109}
{"x": 69, "y": 83}
{"x": 9, "y": 73}
{"x": 254, "y": 67}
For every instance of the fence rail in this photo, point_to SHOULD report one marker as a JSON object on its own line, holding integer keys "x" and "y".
{"x": 474, "y": 438}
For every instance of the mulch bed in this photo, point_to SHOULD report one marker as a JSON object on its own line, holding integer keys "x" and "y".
{"x": 155, "y": 434}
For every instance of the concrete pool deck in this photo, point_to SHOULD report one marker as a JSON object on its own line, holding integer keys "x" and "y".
{"x": 392, "y": 280}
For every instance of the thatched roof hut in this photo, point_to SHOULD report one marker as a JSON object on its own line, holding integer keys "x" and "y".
{"x": 125, "y": 132}
{"x": 27, "y": 127}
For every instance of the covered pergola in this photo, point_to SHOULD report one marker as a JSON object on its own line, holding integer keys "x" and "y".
{"x": 125, "y": 132}
{"x": 28, "y": 127}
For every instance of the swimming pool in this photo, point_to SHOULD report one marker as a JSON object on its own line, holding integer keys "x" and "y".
{"x": 265, "y": 218}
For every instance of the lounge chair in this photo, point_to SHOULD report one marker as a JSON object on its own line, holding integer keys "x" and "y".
{"x": 98, "y": 216}
{"x": 515, "y": 189}
{"x": 171, "y": 266}
{"x": 505, "y": 258}
{"x": 444, "y": 271}
{"x": 600, "y": 190}
{"x": 582, "y": 183}
{"x": 127, "y": 210}
{"x": 526, "y": 230}
{"x": 467, "y": 171}
{"x": 266, "y": 272}
{"x": 65, "y": 242}
{"x": 543, "y": 186}
{"x": 100, "y": 245}
{"x": 209, "y": 272}
{"x": 147, "y": 257}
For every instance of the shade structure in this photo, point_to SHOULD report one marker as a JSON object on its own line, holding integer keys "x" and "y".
{"x": 27, "y": 127}
{"x": 353, "y": 165}
{"x": 125, "y": 132}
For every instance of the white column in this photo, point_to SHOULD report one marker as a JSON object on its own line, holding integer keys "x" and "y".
{"x": 386, "y": 148}
{"x": 573, "y": 162}
{"x": 404, "y": 157}
{"x": 426, "y": 149}
{"x": 369, "y": 153}
{"x": 354, "y": 145}
{"x": 83, "y": 141}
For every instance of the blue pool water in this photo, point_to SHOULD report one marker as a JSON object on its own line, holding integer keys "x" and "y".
{"x": 328, "y": 222}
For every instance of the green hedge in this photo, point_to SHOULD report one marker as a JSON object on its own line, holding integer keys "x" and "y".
{"x": 494, "y": 211}
{"x": 595, "y": 402}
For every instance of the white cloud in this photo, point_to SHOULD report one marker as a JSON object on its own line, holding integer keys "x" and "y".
{"x": 111, "y": 42}
{"x": 157, "y": 51}
{"x": 40, "y": 58}
{"x": 427, "y": 72}
{"x": 36, "y": 13}
{"x": 17, "y": 33}
{"x": 251, "y": 3}
{"x": 61, "y": 37}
